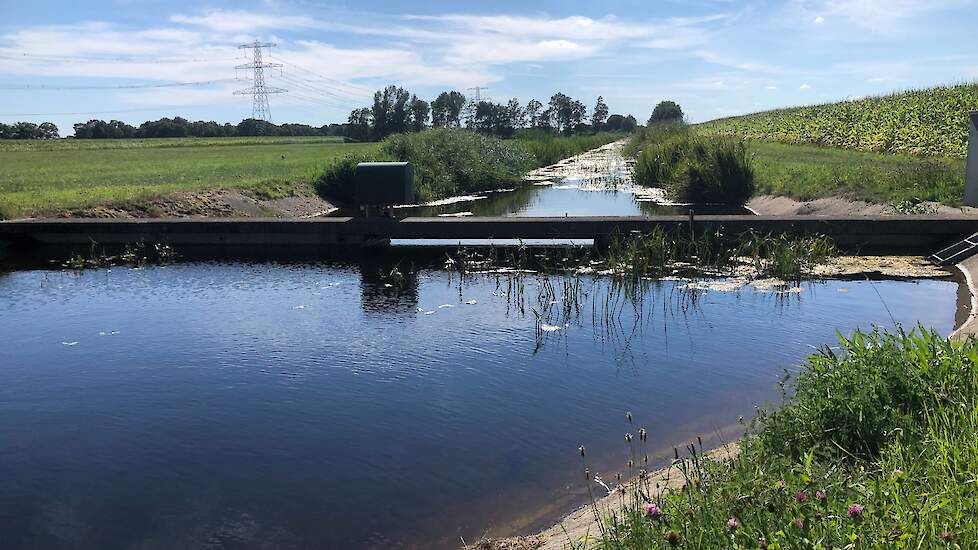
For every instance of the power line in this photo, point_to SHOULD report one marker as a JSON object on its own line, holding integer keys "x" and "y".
{"x": 45, "y": 87}
{"x": 259, "y": 91}
{"x": 340, "y": 82}
{"x": 316, "y": 90}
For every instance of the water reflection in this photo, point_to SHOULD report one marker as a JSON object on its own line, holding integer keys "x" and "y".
{"x": 222, "y": 415}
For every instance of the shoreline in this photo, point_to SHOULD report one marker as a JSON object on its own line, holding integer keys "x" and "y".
{"x": 576, "y": 527}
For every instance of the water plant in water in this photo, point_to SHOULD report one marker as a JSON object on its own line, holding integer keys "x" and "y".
{"x": 875, "y": 447}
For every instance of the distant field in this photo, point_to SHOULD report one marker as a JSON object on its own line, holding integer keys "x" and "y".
{"x": 154, "y": 143}
{"x": 807, "y": 172}
{"x": 929, "y": 122}
{"x": 45, "y": 176}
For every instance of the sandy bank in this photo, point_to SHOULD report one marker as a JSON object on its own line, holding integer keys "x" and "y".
{"x": 210, "y": 203}
{"x": 581, "y": 526}
{"x": 769, "y": 205}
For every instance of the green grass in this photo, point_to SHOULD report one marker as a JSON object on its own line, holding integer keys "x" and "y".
{"x": 809, "y": 172}
{"x": 875, "y": 446}
{"x": 154, "y": 143}
{"x": 694, "y": 168}
{"x": 56, "y": 175}
{"x": 929, "y": 122}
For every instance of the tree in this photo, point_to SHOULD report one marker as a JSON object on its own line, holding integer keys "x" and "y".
{"x": 515, "y": 114}
{"x": 566, "y": 113}
{"x": 630, "y": 124}
{"x": 389, "y": 111}
{"x": 419, "y": 113}
{"x": 666, "y": 112}
{"x": 599, "y": 115}
{"x": 534, "y": 114}
{"x": 358, "y": 125}
{"x": 446, "y": 110}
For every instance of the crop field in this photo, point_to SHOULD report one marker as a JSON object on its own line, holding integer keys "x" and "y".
{"x": 46, "y": 176}
{"x": 930, "y": 122}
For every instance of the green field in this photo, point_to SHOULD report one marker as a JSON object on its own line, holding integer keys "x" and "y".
{"x": 46, "y": 176}
{"x": 807, "y": 172}
{"x": 929, "y": 122}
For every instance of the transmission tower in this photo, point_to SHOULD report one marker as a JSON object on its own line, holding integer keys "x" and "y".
{"x": 478, "y": 93}
{"x": 259, "y": 91}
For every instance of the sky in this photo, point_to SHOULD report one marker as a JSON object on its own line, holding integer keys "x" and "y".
{"x": 67, "y": 61}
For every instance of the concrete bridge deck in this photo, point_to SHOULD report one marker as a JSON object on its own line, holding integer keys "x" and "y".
{"x": 911, "y": 234}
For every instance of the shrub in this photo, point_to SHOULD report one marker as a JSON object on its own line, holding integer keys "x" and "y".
{"x": 451, "y": 162}
{"x": 694, "y": 169}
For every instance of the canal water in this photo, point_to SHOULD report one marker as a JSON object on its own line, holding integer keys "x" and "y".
{"x": 595, "y": 183}
{"x": 325, "y": 405}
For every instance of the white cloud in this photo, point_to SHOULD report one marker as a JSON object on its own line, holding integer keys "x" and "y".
{"x": 818, "y": 20}
{"x": 226, "y": 21}
{"x": 804, "y": 87}
{"x": 770, "y": 87}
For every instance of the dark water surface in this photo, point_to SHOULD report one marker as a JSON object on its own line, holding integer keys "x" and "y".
{"x": 209, "y": 405}
{"x": 567, "y": 199}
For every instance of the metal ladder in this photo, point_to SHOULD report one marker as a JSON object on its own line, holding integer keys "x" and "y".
{"x": 957, "y": 252}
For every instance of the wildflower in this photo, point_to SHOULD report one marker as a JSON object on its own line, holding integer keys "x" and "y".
{"x": 897, "y": 474}
{"x": 947, "y": 536}
{"x": 818, "y": 516}
{"x": 628, "y": 415}
{"x": 820, "y": 495}
{"x": 581, "y": 449}
{"x": 628, "y": 437}
{"x": 801, "y": 497}
{"x": 798, "y": 523}
{"x": 762, "y": 543}
{"x": 652, "y": 510}
{"x": 782, "y": 485}
{"x": 855, "y": 512}
{"x": 642, "y": 434}
{"x": 673, "y": 538}
{"x": 732, "y": 524}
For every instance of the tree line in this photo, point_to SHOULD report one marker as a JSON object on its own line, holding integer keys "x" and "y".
{"x": 396, "y": 110}
{"x": 28, "y": 130}
{"x": 181, "y": 127}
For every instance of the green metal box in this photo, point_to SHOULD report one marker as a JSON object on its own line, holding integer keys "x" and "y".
{"x": 384, "y": 183}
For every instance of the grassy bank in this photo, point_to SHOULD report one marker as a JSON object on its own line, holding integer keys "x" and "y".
{"x": 874, "y": 446}
{"x": 47, "y": 176}
{"x": 808, "y": 172}
{"x": 929, "y": 122}
{"x": 452, "y": 162}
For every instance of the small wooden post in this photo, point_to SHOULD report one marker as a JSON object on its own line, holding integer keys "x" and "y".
{"x": 971, "y": 174}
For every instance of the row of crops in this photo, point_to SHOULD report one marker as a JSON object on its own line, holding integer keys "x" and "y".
{"x": 931, "y": 122}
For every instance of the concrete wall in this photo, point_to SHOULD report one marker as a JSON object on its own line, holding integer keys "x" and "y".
{"x": 971, "y": 177}
{"x": 869, "y": 234}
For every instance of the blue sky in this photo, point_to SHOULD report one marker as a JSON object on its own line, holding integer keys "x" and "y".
{"x": 715, "y": 57}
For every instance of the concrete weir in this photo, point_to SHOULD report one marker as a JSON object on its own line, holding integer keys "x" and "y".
{"x": 871, "y": 234}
